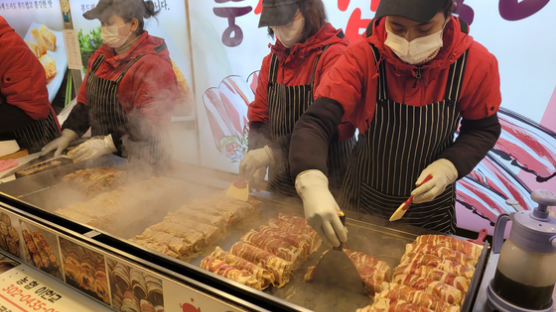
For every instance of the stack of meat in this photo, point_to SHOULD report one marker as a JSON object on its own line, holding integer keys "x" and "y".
{"x": 133, "y": 202}
{"x": 185, "y": 232}
{"x": 96, "y": 180}
{"x": 85, "y": 269}
{"x": 9, "y": 239}
{"x": 133, "y": 290}
{"x": 266, "y": 256}
{"x": 40, "y": 252}
{"x": 434, "y": 275}
{"x": 374, "y": 273}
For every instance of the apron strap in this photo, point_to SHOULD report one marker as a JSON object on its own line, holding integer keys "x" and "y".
{"x": 127, "y": 68}
{"x": 455, "y": 78}
{"x": 315, "y": 66}
{"x": 273, "y": 71}
{"x": 96, "y": 63}
{"x": 381, "y": 83}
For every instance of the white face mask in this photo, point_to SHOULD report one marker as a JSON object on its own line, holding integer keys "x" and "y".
{"x": 415, "y": 51}
{"x": 291, "y": 33}
{"x": 110, "y": 35}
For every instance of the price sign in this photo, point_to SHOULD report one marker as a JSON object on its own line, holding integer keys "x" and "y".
{"x": 24, "y": 290}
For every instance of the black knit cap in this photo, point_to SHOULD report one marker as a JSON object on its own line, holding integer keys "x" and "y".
{"x": 420, "y": 11}
{"x": 278, "y": 12}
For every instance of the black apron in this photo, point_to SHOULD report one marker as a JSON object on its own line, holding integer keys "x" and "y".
{"x": 400, "y": 142}
{"x": 37, "y": 134}
{"x": 107, "y": 116}
{"x": 286, "y": 104}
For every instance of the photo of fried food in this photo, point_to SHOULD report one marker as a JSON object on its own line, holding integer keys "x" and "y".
{"x": 85, "y": 269}
{"x": 41, "y": 249}
{"x": 9, "y": 238}
{"x": 133, "y": 289}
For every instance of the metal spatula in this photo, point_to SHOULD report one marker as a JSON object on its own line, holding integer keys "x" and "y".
{"x": 239, "y": 190}
{"x": 335, "y": 268}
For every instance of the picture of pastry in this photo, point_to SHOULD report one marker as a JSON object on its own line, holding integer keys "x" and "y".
{"x": 134, "y": 289}
{"x": 48, "y": 38}
{"x": 49, "y": 65}
{"x": 44, "y": 41}
{"x": 85, "y": 270}
{"x": 42, "y": 249}
{"x": 9, "y": 238}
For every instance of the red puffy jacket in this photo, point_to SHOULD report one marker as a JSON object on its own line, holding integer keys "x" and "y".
{"x": 296, "y": 67}
{"x": 23, "y": 80}
{"x": 353, "y": 79}
{"x": 149, "y": 86}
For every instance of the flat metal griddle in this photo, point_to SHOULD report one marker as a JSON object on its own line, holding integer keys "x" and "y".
{"x": 373, "y": 236}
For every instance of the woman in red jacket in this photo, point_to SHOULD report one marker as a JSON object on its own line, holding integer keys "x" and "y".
{"x": 25, "y": 113}
{"x": 306, "y": 46}
{"x": 405, "y": 87}
{"x": 129, "y": 90}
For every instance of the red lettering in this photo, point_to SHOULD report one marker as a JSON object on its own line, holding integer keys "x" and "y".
{"x": 355, "y": 24}
{"x": 343, "y": 5}
{"x": 374, "y": 5}
{"x": 259, "y": 7}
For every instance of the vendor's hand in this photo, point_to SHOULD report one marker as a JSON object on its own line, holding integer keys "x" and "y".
{"x": 443, "y": 173}
{"x": 93, "y": 148}
{"x": 60, "y": 143}
{"x": 254, "y": 163}
{"x": 321, "y": 209}
{"x": 258, "y": 183}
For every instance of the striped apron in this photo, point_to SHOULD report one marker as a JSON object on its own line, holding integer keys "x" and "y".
{"x": 400, "y": 142}
{"x": 38, "y": 133}
{"x": 286, "y": 104}
{"x": 106, "y": 115}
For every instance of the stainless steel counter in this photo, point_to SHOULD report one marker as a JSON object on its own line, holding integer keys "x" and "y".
{"x": 373, "y": 236}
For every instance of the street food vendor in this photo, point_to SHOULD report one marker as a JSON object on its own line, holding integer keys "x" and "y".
{"x": 407, "y": 87}
{"x": 25, "y": 112}
{"x": 128, "y": 91}
{"x": 306, "y": 46}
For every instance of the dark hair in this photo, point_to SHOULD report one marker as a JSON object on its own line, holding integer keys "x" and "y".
{"x": 139, "y": 9}
{"x": 315, "y": 17}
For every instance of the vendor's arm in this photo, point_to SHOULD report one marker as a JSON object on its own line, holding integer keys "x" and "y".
{"x": 23, "y": 80}
{"x": 149, "y": 96}
{"x": 479, "y": 103}
{"x": 339, "y": 97}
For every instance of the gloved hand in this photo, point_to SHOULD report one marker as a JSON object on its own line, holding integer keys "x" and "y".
{"x": 443, "y": 173}
{"x": 321, "y": 209}
{"x": 60, "y": 143}
{"x": 258, "y": 183}
{"x": 93, "y": 148}
{"x": 253, "y": 165}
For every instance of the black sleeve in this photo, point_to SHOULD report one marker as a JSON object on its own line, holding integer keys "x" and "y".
{"x": 312, "y": 136}
{"x": 476, "y": 138}
{"x": 12, "y": 117}
{"x": 259, "y": 135}
{"x": 78, "y": 119}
